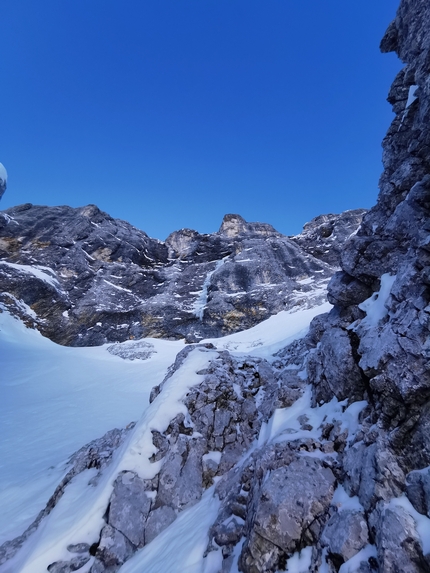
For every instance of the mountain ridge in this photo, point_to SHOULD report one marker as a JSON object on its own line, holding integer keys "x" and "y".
{"x": 111, "y": 282}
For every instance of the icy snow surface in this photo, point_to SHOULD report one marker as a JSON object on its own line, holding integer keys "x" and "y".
{"x": 200, "y": 304}
{"x": 268, "y": 337}
{"x": 411, "y": 96}
{"x": 352, "y": 565}
{"x": 300, "y": 562}
{"x": 422, "y": 522}
{"x": 54, "y": 400}
{"x": 374, "y": 307}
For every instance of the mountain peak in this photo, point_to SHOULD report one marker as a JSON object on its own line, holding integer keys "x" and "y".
{"x": 234, "y": 225}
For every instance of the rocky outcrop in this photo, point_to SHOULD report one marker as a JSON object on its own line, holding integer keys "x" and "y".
{"x": 83, "y": 278}
{"x": 382, "y": 355}
{"x": 324, "y": 236}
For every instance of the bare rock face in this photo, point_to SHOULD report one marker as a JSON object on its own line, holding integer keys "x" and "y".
{"x": 399, "y": 545}
{"x": 382, "y": 355}
{"x": 345, "y": 534}
{"x": 289, "y": 507}
{"x": 324, "y": 236}
{"x": 83, "y": 278}
{"x": 393, "y": 241}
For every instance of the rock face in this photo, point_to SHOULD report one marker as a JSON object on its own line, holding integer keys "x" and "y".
{"x": 324, "y": 236}
{"x": 83, "y": 278}
{"x": 320, "y": 455}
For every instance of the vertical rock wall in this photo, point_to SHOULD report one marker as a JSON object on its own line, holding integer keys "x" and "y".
{"x": 376, "y": 341}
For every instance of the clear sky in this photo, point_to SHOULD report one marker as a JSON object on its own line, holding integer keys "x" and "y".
{"x": 171, "y": 113}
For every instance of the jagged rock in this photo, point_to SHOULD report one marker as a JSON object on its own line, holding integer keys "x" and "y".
{"x": 344, "y": 290}
{"x": 345, "y": 534}
{"x": 3, "y": 180}
{"x": 333, "y": 369}
{"x": 181, "y": 477}
{"x": 114, "y": 549}
{"x": 325, "y": 235}
{"x": 290, "y": 507}
{"x": 234, "y": 225}
{"x": 129, "y": 507}
{"x": 68, "y": 566}
{"x": 88, "y": 279}
{"x": 79, "y": 548}
{"x": 397, "y": 540}
{"x": 373, "y": 473}
{"x": 418, "y": 490}
{"x": 229, "y": 532}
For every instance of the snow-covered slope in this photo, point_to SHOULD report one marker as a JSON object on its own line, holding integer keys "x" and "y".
{"x": 55, "y": 399}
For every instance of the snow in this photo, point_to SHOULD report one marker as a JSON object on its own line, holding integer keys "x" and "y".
{"x": 84, "y": 519}
{"x": 284, "y": 424}
{"x": 213, "y": 456}
{"x": 300, "y": 561}
{"x": 411, "y": 96}
{"x": 374, "y": 307}
{"x": 117, "y": 287}
{"x": 343, "y": 502}
{"x": 21, "y": 305}
{"x": 53, "y": 400}
{"x": 37, "y": 271}
{"x": 266, "y": 338}
{"x": 3, "y": 172}
{"x": 159, "y": 414}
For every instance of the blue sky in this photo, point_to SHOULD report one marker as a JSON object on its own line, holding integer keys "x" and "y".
{"x": 171, "y": 113}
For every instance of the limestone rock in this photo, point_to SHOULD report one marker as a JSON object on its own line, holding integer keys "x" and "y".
{"x": 68, "y": 566}
{"x": 129, "y": 508}
{"x": 290, "y": 508}
{"x": 105, "y": 281}
{"x": 325, "y": 236}
{"x": 3, "y": 180}
{"x": 345, "y": 534}
{"x": 113, "y": 550}
{"x": 157, "y": 521}
{"x": 418, "y": 490}
{"x": 397, "y": 540}
{"x": 333, "y": 368}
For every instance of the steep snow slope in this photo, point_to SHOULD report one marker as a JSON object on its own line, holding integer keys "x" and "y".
{"x": 53, "y": 400}
{"x": 56, "y": 399}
